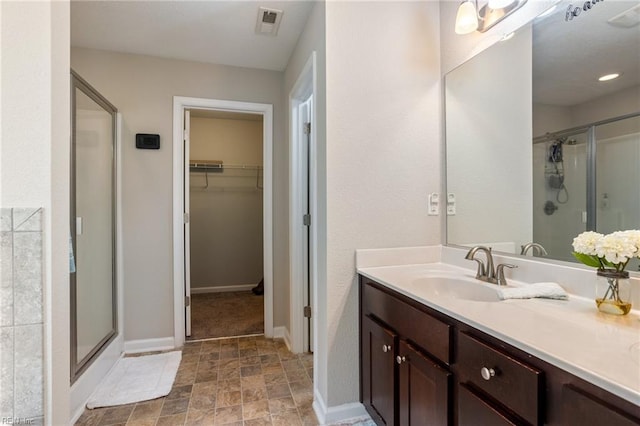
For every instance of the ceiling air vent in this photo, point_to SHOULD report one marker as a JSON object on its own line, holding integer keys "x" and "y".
{"x": 268, "y": 21}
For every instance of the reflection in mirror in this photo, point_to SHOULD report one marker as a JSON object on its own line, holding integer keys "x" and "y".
{"x": 543, "y": 151}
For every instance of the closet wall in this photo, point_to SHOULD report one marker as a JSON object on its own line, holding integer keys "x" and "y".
{"x": 226, "y": 206}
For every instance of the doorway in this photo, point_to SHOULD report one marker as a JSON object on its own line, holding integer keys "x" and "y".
{"x": 223, "y": 234}
{"x": 303, "y": 208}
{"x": 215, "y": 176}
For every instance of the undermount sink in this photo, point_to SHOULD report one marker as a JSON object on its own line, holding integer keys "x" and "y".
{"x": 456, "y": 287}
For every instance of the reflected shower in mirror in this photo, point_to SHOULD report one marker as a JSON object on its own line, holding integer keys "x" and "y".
{"x": 93, "y": 290}
{"x": 541, "y": 150}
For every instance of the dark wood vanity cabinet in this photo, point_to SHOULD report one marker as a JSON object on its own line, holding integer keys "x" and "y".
{"x": 420, "y": 367}
{"x": 402, "y": 383}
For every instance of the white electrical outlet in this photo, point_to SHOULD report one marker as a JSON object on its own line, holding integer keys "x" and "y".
{"x": 434, "y": 204}
{"x": 451, "y": 204}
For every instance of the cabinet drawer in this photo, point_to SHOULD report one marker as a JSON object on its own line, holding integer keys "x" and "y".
{"x": 514, "y": 384}
{"x": 430, "y": 334}
{"x": 473, "y": 410}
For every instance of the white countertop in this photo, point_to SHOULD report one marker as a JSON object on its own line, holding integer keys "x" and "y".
{"x": 570, "y": 334}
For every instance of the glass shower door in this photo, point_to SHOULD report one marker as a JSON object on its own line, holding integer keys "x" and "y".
{"x": 560, "y": 192}
{"x": 93, "y": 290}
{"x": 618, "y": 174}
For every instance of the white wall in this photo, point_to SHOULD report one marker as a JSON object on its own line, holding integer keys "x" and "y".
{"x": 489, "y": 162}
{"x": 34, "y": 141}
{"x": 142, "y": 88}
{"x": 226, "y": 215}
{"x": 552, "y": 118}
{"x": 383, "y": 154}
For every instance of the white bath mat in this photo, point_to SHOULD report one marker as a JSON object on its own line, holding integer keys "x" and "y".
{"x": 136, "y": 379}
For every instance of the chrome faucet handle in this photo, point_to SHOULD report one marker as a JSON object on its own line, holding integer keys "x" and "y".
{"x": 480, "y": 273}
{"x": 501, "y": 280}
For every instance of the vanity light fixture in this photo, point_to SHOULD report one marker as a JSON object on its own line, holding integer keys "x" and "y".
{"x": 466, "y": 18}
{"x": 472, "y": 16}
{"x": 608, "y": 77}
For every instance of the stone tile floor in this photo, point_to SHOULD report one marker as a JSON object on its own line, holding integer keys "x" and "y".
{"x": 242, "y": 381}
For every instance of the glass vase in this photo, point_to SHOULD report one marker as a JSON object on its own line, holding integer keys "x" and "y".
{"x": 613, "y": 292}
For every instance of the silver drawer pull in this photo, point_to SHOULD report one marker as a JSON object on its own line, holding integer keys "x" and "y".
{"x": 487, "y": 373}
{"x": 400, "y": 359}
{"x": 386, "y": 348}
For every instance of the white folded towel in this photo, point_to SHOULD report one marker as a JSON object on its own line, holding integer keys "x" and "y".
{"x": 542, "y": 290}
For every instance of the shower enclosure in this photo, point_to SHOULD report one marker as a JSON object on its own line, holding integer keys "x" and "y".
{"x": 92, "y": 260}
{"x": 586, "y": 179}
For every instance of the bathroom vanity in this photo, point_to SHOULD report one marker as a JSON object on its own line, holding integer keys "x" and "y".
{"x": 440, "y": 355}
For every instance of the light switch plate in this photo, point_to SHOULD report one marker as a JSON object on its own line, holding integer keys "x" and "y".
{"x": 451, "y": 204}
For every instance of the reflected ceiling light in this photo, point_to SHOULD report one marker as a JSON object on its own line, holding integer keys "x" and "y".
{"x": 466, "y": 18}
{"x": 499, "y": 4}
{"x": 608, "y": 77}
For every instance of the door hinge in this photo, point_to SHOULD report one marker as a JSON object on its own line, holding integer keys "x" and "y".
{"x": 185, "y": 134}
{"x": 306, "y": 220}
{"x": 185, "y": 217}
{"x": 307, "y": 311}
{"x": 187, "y": 301}
{"x": 307, "y": 128}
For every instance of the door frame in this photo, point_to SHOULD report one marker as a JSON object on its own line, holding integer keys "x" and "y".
{"x": 180, "y": 103}
{"x": 304, "y": 87}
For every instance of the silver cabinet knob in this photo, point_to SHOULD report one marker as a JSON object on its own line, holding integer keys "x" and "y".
{"x": 487, "y": 373}
{"x": 400, "y": 359}
{"x": 386, "y": 348}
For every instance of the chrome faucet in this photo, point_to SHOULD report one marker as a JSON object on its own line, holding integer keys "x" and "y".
{"x": 486, "y": 272}
{"x": 538, "y": 250}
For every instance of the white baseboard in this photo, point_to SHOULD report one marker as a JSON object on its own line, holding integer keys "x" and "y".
{"x": 222, "y": 288}
{"x": 282, "y": 333}
{"x": 338, "y": 414}
{"x": 149, "y": 345}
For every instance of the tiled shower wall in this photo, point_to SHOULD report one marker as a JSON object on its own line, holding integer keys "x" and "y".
{"x": 21, "y": 316}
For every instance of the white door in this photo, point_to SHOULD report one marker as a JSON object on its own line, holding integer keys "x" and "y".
{"x": 187, "y": 230}
{"x": 305, "y": 120}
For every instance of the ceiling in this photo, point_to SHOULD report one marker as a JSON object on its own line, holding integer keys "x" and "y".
{"x": 569, "y": 56}
{"x": 219, "y": 32}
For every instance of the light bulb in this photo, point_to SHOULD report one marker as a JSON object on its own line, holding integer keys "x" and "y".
{"x": 466, "y": 18}
{"x": 499, "y": 4}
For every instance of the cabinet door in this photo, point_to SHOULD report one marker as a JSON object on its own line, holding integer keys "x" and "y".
{"x": 378, "y": 371}
{"x": 424, "y": 394}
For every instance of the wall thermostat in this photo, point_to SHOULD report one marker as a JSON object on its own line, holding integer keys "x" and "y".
{"x": 147, "y": 141}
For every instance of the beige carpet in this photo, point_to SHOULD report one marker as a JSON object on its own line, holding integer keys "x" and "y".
{"x": 226, "y": 314}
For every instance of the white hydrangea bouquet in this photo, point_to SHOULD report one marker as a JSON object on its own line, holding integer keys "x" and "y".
{"x": 607, "y": 251}
{"x": 610, "y": 254}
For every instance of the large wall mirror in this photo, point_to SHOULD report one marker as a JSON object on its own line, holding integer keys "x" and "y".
{"x": 538, "y": 149}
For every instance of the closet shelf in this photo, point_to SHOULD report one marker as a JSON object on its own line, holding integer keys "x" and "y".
{"x": 219, "y": 166}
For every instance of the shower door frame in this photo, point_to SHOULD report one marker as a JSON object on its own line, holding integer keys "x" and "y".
{"x": 77, "y": 367}
{"x": 591, "y": 145}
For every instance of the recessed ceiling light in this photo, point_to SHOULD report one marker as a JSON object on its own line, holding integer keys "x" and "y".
{"x": 608, "y": 77}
